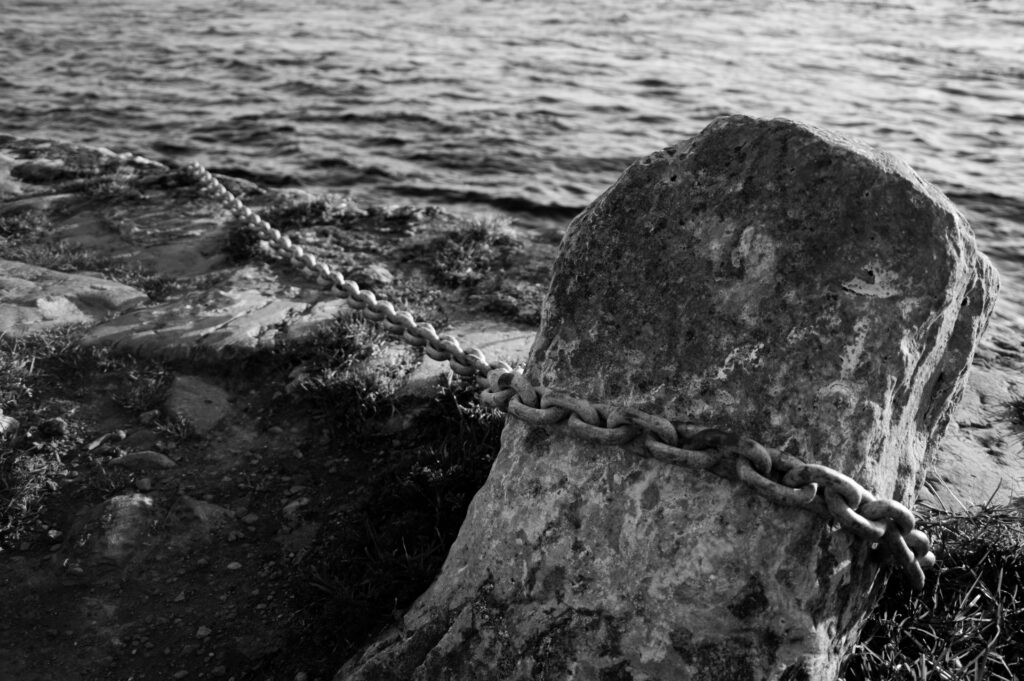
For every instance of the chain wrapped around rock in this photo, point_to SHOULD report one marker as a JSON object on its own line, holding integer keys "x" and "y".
{"x": 780, "y": 477}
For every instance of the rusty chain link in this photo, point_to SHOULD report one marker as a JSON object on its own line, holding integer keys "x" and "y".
{"x": 782, "y": 478}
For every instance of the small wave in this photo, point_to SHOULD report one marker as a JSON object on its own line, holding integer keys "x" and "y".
{"x": 268, "y": 178}
{"x": 332, "y": 163}
{"x": 173, "y": 148}
{"x": 654, "y": 83}
{"x": 517, "y": 204}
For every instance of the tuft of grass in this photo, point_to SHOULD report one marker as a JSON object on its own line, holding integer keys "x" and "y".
{"x": 968, "y": 622}
{"x": 518, "y": 301}
{"x": 179, "y": 429}
{"x": 143, "y": 388}
{"x": 33, "y": 462}
{"x": 1015, "y": 409}
{"x": 19, "y": 225}
{"x": 242, "y": 244}
{"x": 120, "y": 185}
{"x": 476, "y": 248}
{"x": 289, "y": 215}
{"x": 341, "y": 377}
{"x": 473, "y": 255}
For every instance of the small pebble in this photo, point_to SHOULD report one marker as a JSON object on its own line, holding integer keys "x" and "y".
{"x": 250, "y": 519}
{"x": 203, "y": 632}
{"x": 234, "y": 565}
{"x": 144, "y": 484}
{"x": 181, "y": 674}
{"x": 143, "y": 460}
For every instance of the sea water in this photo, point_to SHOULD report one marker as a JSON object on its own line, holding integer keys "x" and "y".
{"x": 527, "y": 107}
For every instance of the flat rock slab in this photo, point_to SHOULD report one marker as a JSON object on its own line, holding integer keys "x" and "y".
{"x": 197, "y": 402}
{"x": 981, "y": 458}
{"x": 249, "y": 310}
{"x": 35, "y": 299}
{"x": 144, "y": 460}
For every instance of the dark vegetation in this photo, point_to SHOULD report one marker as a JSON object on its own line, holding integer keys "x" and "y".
{"x": 473, "y": 256}
{"x": 48, "y": 381}
{"x": 388, "y": 518}
{"x": 480, "y": 260}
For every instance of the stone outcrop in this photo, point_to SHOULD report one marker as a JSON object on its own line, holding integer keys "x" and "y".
{"x": 764, "y": 278}
{"x": 197, "y": 402}
{"x": 977, "y": 463}
{"x": 34, "y": 299}
{"x": 248, "y": 310}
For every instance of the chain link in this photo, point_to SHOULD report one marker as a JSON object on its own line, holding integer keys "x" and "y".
{"x": 782, "y": 478}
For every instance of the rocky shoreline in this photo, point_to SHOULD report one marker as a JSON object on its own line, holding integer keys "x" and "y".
{"x": 186, "y": 506}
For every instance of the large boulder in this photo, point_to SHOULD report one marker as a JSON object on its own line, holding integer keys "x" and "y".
{"x": 764, "y": 278}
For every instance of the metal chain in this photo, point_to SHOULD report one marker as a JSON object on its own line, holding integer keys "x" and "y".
{"x": 780, "y": 477}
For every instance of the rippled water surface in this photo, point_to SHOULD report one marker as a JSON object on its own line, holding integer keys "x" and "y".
{"x": 532, "y": 106}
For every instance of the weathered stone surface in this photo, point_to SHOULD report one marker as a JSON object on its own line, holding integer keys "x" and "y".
{"x": 980, "y": 461}
{"x": 764, "y": 278}
{"x": 34, "y": 298}
{"x": 129, "y": 532}
{"x": 144, "y": 460}
{"x": 199, "y": 403}
{"x": 250, "y": 309}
